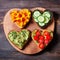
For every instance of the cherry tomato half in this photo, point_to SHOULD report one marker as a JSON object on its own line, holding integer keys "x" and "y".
{"x": 38, "y": 33}
{"x": 41, "y": 46}
{"x": 46, "y": 33}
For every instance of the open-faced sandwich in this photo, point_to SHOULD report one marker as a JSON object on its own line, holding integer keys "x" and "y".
{"x": 42, "y": 38}
{"x": 42, "y": 18}
{"x": 19, "y": 38}
{"x": 20, "y": 17}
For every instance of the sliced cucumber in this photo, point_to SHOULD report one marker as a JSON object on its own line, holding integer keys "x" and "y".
{"x": 36, "y": 14}
{"x": 41, "y": 18}
{"x": 41, "y": 24}
{"x": 36, "y": 20}
{"x": 47, "y": 14}
{"x": 46, "y": 20}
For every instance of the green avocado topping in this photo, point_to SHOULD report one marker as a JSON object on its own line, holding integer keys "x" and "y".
{"x": 19, "y": 38}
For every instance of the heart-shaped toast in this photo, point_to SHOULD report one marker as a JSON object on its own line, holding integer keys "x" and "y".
{"x": 43, "y": 18}
{"x": 20, "y": 17}
{"x": 19, "y": 38}
{"x": 42, "y": 38}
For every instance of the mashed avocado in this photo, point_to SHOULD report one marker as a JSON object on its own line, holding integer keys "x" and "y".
{"x": 19, "y": 38}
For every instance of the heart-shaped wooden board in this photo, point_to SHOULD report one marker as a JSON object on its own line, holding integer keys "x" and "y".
{"x": 31, "y": 47}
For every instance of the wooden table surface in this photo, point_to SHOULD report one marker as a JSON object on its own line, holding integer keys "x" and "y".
{"x": 52, "y": 52}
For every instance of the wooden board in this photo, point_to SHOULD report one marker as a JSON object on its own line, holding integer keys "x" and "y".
{"x": 31, "y": 48}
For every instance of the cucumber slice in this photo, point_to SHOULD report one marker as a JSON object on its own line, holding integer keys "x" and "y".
{"x": 36, "y": 20}
{"x": 41, "y": 18}
{"x": 41, "y": 24}
{"x": 46, "y": 20}
{"x": 47, "y": 14}
{"x": 36, "y": 14}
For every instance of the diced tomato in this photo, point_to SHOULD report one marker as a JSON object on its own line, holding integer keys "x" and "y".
{"x": 35, "y": 37}
{"x": 46, "y": 33}
{"x": 38, "y": 33}
{"x": 41, "y": 46}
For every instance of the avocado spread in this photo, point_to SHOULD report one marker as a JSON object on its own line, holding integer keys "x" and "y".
{"x": 19, "y": 38}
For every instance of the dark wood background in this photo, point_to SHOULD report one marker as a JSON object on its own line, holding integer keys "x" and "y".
{"x": 52, "y": 52}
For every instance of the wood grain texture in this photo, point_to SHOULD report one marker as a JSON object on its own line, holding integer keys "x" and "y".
{"x": 52, "y": 52}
